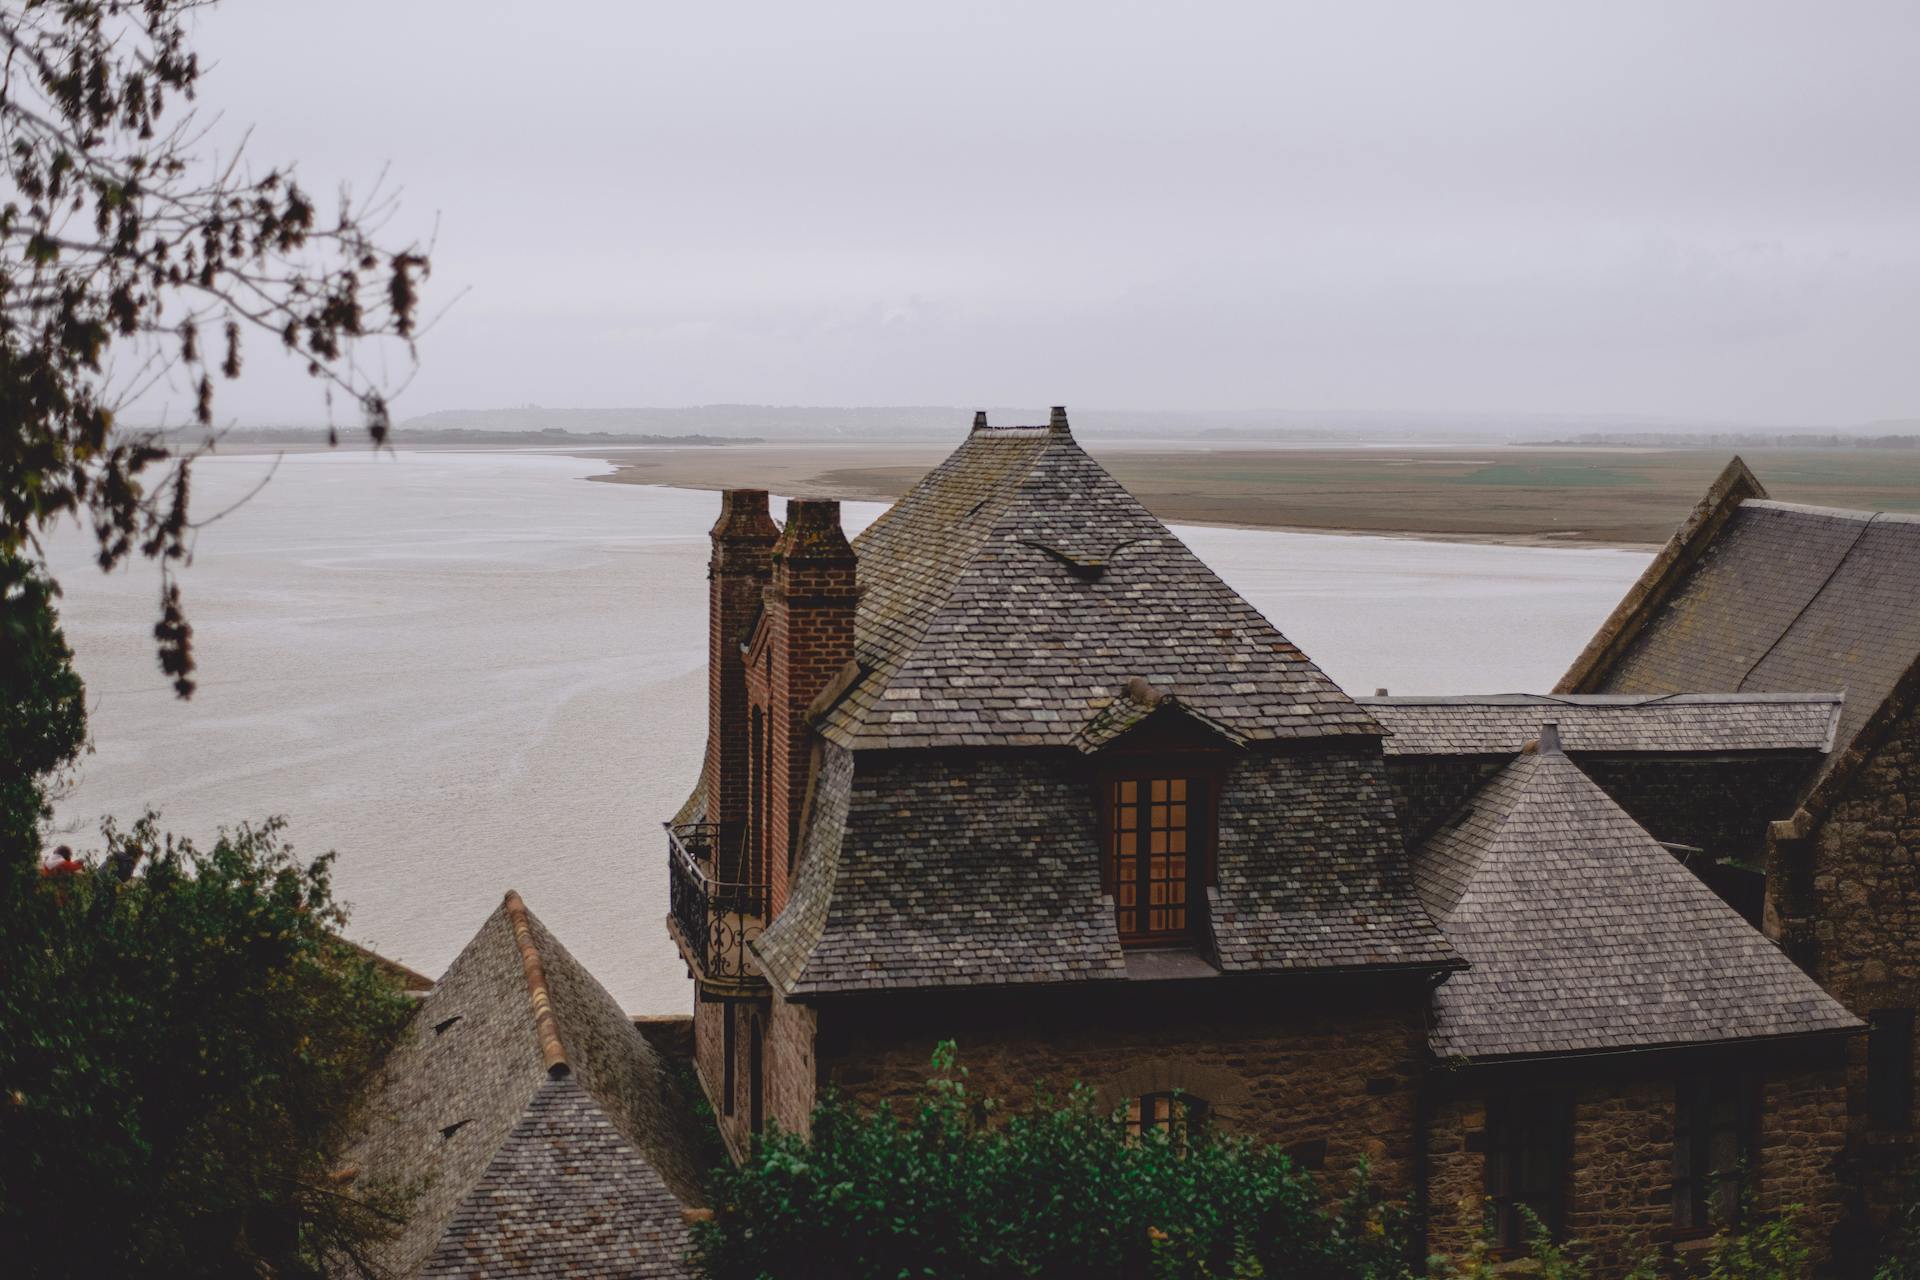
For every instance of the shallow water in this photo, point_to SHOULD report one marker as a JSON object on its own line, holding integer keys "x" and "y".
{"x": 475, "y": 672}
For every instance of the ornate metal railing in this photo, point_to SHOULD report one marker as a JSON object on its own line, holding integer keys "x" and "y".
{"x": 715, "y": 918}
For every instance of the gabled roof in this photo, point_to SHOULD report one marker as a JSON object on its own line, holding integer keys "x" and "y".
{"x": 1655, "y": 724}
{"x": 546, "y": 1135}
{"x": 1770, "y": 597}
{"x": 1013, "y": 592}
{"x": 1586, "y": 936}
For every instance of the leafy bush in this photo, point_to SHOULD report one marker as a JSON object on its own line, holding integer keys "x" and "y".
{"x": 182, "y": 1037}
{"x": 964, "y": 1192}
{"x": 1901, "y": 1260}
{"x": 1771, "y": 1248}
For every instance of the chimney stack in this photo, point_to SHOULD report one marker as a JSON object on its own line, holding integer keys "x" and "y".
{"x": 738, "y": 567}
{"x": 979, "y": 419}
{"x": 810, "y": 615}
{"x": 1549, "y": 739}
{"x": 1058, "y": 423}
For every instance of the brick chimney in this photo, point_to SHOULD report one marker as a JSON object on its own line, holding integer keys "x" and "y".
{"x": 738, "y": 568}
{"x": 810, "y": 608}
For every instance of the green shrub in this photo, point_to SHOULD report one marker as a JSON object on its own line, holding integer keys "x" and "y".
{"x": 964, "y": 1191}
{"x": 180, "y": 1049}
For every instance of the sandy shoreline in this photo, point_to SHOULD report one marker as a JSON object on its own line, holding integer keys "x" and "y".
{"x": 1494, "y": 495}
{"x": 881, "y": 473}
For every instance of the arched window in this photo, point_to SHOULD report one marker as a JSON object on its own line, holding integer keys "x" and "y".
{"x": 1180, "y": 1116}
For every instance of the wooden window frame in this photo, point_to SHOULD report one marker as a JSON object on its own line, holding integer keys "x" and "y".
{"x": 1698, "y": 1180}
{"x": 1186, "y": 1116}
{"x": 1202, "y": 774}
{"x": 1532, "y": 1112}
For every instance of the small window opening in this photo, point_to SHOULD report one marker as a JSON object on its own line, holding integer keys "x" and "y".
{"x": 455, "y": 1127}
{"x": 1890, "y": 1069}
{"x": 440, "y": 1027}
{"x": 1713, "y": 1150}
{"x": 1179, "y": 1116}
{"x": 1528, "y": 1138}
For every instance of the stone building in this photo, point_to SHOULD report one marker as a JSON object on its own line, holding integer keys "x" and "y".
{"x": 545, "y": 1136}
{"x": 1016, "y": 769}
{"x": 1757, "y": 596}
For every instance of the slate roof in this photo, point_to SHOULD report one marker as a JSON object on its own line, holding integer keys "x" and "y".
{"x": 1784, "y": 597}
{"x": 1660, "y": 724}
{"x": 1585, "y": 935}
{"x": 948, "y": 869}
{"x": 547, "y": 1136}
{"x": 1012, "y": 593}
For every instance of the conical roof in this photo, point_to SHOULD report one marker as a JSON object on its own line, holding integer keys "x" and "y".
{"x": 1009, "y": 597}
{"x": 545, "y": 1134}
{"x": 1586, "y": 935}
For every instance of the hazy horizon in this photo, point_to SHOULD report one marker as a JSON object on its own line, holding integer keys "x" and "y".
{"x": 1686, "y": 214}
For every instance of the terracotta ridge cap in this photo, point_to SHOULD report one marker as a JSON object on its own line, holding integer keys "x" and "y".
{"x": 546, "y": 1027}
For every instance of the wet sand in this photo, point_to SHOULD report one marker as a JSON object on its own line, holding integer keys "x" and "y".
{"x": 1525, "y": 496}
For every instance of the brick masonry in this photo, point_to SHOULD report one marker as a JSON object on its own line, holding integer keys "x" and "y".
{"x": 738, "y": 566}
{"x": 810, "y": 629}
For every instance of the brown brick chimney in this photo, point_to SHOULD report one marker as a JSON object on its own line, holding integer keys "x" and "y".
{"x": 810, "y": 610}
{"x": 738, "y": 569}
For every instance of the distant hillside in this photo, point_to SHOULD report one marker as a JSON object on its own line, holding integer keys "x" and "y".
{"x": 941, "y": 422}
{"x": 1739, "y": 440}
{"x": 412, "y": 434}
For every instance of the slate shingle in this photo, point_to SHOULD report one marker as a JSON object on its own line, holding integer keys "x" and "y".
{"x": 1788, "y": 597}
{"x": 467, "y": 1107}
{"x": 975, "y": 869}
{"x": 1013, "y": 592}
{"x": 1654, "y": 724}
{"x": 1584, "y": 934}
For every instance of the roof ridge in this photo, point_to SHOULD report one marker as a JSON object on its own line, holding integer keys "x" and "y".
{"x": 545, "y": 1025}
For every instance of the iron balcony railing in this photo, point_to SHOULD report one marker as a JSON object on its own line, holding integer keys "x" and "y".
{"x": 715, "y": 918}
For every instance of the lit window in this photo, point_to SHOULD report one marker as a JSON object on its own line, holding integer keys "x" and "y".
{"x": 1177, "y": 1115}
{"x": 1153, "y": 850}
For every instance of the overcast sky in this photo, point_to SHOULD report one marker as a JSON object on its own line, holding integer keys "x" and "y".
{"x": 1677, "y": 208}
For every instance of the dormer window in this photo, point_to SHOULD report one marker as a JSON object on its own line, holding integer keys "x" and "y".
{"x": 1157, "y": 840}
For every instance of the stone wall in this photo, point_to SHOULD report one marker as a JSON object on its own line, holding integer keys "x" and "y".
{"x": 791, "y": 1069}
{"x": 1331, "y": 1077}
{"x": 1619, "y": 1195}
{"x": 1865, "y": 928}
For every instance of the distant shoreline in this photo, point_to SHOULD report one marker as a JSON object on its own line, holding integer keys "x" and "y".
{"x": 1159, "y": 476}
{"x": 1625, "y": 497}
